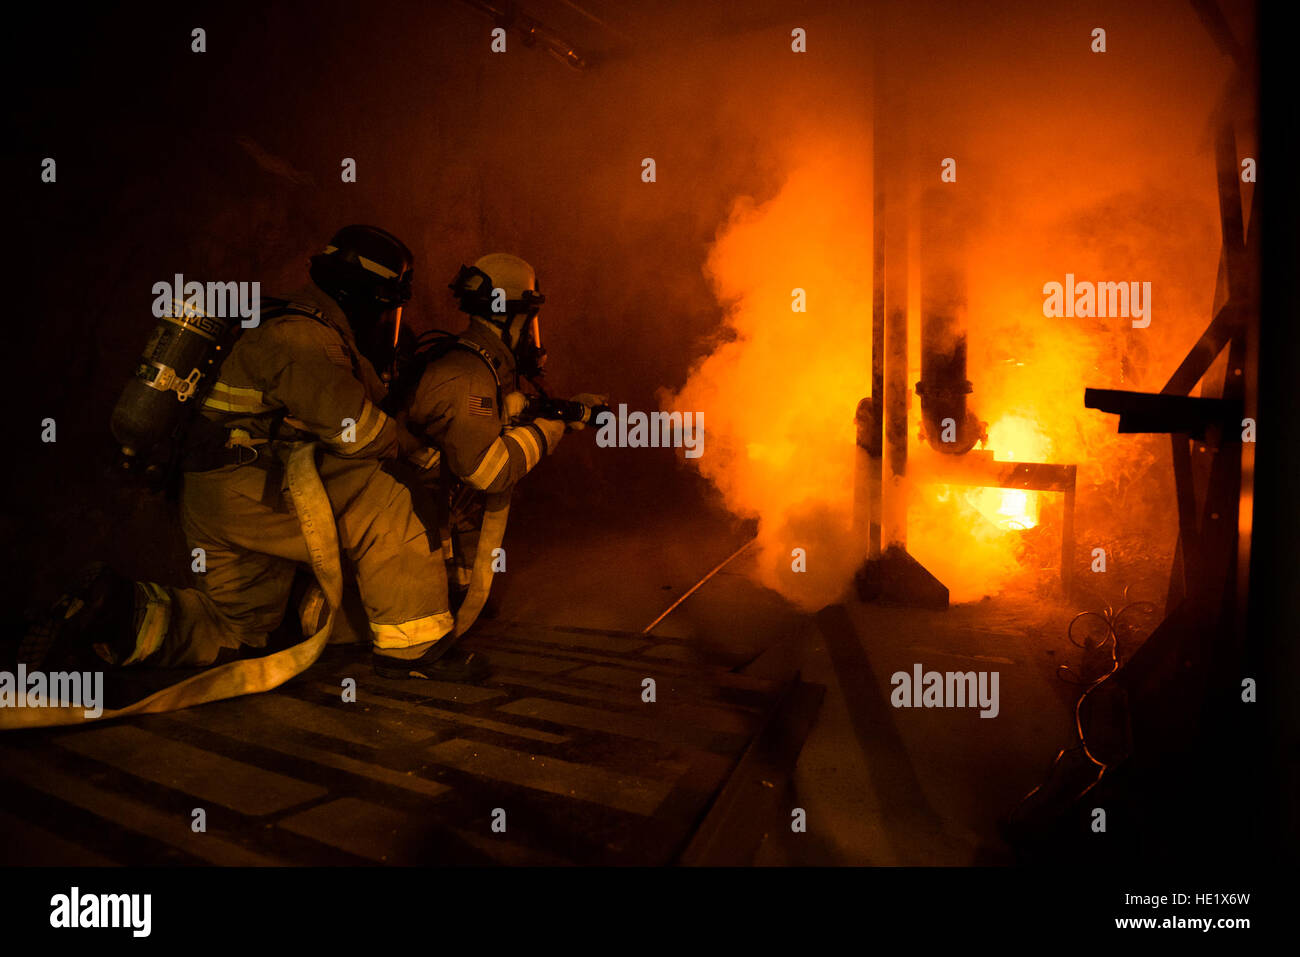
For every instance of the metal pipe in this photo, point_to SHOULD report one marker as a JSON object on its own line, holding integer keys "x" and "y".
{"x": 696, "y": 587}
{"x": 948, "y": 424}
{"x": 875, "y": 424}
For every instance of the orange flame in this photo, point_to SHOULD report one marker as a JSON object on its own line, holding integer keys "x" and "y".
{"x": 1014, "y": 438}
{"x": 780, "y": 387}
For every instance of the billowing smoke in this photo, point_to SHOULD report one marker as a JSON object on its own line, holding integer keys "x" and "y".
{"x": 779, "y": 390}
{"x": 1062, "y": 181}
{"x": 1092, "y": 164}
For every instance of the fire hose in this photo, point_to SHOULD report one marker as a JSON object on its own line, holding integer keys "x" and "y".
{"x": 247, "y": 675}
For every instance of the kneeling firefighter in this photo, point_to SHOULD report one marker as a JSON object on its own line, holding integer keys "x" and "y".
{"x": 296, "y": 408}
{"x": 460, "y": 394}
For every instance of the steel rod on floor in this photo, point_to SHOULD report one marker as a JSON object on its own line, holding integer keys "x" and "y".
{"x": 694, "y": 588}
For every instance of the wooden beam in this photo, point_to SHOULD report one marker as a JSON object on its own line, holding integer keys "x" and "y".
{"x": 1160, "y": 413}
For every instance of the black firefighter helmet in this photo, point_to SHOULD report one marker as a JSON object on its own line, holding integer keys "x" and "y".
{"x": 367, "y": 270}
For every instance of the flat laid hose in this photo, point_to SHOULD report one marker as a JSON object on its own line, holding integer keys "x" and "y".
{"x": 247, "y": 675}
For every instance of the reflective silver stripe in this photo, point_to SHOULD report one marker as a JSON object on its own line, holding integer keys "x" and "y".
{"x": 495, "y": 460}
{"x": 526, "y": 439}
{"x": 418, "y": 631}
{"x": 157, "y": 619}
{"x": 370, "y": 423}
{"x": 217, "y": 405}
{"x": 368, "y": 264}
{"x": 376, "y": 268}
{"x": 238, "y": 392}
{"x": 228, "y": 398}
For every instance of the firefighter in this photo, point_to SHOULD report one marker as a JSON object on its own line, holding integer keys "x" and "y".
{"x": 462, "y": 397}
{"x": 299, "y": 376}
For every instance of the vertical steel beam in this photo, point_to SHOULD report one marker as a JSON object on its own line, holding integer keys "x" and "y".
{"x": 894, "y": 516}
{"x": 891, "y": 202}
{"x": 877, "y": 424}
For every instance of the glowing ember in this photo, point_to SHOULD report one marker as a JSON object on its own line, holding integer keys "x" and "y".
{"x": 1015, "y": 508}
{"x": 1023, "y": 441}
{"x": 1008, "y": 509}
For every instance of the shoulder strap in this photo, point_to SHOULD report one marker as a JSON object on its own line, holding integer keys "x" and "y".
{"x": 196, "y": 431}
{"x": 439, "y": 344}
{"x": 287, "y": 307}
{"x": 483, "y": 354}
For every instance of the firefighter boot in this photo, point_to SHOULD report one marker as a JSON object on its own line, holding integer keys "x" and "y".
{"x": 92, "y": 624}
{"x": 442, "y": 662}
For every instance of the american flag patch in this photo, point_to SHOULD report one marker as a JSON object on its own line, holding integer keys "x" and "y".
{"x": 481, "y": 405}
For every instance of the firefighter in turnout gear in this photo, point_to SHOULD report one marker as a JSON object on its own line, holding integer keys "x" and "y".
{"x": 461, "y": 395}
{"x": 299, "y": 376}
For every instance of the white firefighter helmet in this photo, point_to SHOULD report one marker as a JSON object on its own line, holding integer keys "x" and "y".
{"x": 477, "y": 287}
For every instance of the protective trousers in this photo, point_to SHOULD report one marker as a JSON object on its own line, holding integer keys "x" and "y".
{"x": 246, "y": 675}
{"x": 252, "y": 544}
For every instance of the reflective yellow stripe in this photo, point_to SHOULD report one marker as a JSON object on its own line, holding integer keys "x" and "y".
{"x": 157, "y": 619}
{"x": 243, "y": 408}
{"x": 415, "y": 632}
{"x": 526, "y": 439}
{"x": 495, "y": 459}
